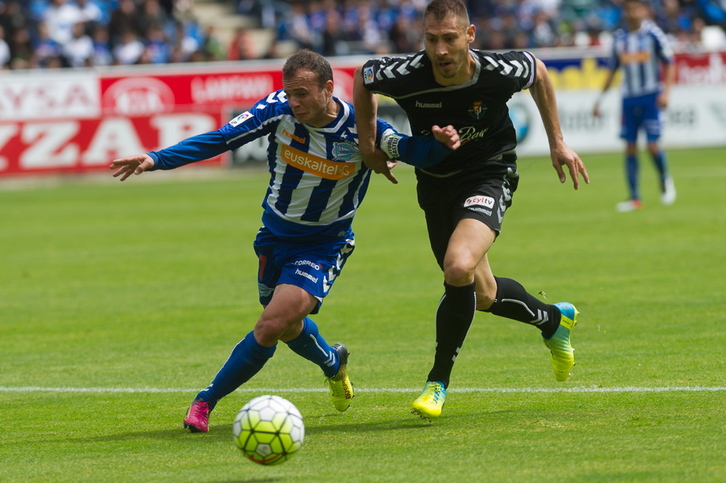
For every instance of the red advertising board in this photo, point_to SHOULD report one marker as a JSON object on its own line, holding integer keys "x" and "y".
{"x": 73, "y": 145}
{"x": 701, "y": 68}
{"x": 81, "y": 120}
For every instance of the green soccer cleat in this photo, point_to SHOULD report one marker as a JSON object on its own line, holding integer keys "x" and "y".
{"x": 341, "y": 389}
{"x": 563, "y": 355}
{"x": 431, "y": 401}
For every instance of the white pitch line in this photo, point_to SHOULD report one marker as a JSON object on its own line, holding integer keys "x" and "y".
{"x": 501, "y": 390}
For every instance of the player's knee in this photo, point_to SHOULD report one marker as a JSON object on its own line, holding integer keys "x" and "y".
{"x": 269, "y": 330}
{"x": 458, "y": 272}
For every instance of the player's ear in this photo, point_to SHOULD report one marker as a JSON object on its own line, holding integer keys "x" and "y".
{"x": 470, "y": 33}
{"x": 329, "y": 87}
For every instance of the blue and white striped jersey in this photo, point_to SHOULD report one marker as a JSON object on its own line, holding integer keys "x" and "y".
{"x": 317, "y": 175}
{"x": 640, "y": 54}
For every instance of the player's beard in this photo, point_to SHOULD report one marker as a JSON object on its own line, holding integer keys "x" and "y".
{"x": 451, "y": 69}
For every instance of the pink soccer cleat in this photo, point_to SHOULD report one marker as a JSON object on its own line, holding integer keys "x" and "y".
{"x": 197, "y": 420}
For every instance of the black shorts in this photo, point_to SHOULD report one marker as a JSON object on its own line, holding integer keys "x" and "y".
{"x": 483, "y": 195}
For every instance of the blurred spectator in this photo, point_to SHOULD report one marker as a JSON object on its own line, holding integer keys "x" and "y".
{"x": 123, "y": 19}
{"x": 263, "y": 12}
{"x": 40, "y": 33}
{"x": 101, "y": 47}
{"x": 157, "y": 49}
{"x": 241, "y": 47}
{"x": 544, "y": 31}
{"x": 184, "y": 44}
{"x": 22, "y": 53}
{"x": 211, "y": 46}
{"x": 368, "y": 31}
{"x": 91, "y": 13}
{"x": 46, "y": 48}
{"x": 4, "y": 50}
{"x": 151, "y": 15}
{"x": 295, "y": 27}
{"x": 78, "y": 51}
{"x": 405, "y": 35}
{"x": 333, "y": 35}
{"x": 60, "y": 16}
{"x": 129, "y": 49}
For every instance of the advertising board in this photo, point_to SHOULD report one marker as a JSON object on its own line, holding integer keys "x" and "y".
{"x": 75, "y": 121}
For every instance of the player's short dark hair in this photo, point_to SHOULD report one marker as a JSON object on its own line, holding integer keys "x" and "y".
{"x": 308, "y": 60}
{"x": 440, "y": 9}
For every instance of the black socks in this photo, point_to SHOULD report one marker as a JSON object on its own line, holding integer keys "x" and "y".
{"x": 453, "y": 318}
{"x": 513, "y": 302}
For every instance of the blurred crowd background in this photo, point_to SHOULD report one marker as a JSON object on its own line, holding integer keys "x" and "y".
{"x": 49, "y": 34}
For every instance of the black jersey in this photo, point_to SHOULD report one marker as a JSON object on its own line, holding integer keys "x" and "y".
{"x": 477, "y": 108}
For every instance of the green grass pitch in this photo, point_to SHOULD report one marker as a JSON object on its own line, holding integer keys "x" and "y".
{"x": 127, "y": 298}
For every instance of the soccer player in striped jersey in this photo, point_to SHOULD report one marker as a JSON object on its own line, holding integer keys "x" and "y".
{"x": 465, "y": 197}
{"x": 643, "y": 54}
{"x": 317, "y": 181}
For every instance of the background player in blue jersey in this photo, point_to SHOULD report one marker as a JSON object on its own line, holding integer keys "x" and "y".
{"x": 465, "y": 197}
{"x": 317, "y": 181}
{"x": 641, "y": 51}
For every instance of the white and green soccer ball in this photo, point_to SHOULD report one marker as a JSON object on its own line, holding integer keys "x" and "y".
{"x": 269, "y": 430}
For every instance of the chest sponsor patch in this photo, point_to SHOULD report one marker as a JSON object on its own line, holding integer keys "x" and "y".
{"x": 640, "y": 57}
{"x": 485, "y": 201}
{"x": 321, "y": 167}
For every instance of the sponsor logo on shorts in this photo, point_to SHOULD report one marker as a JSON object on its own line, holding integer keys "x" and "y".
{"x": 241, "y": 118}
{"x": 486, "y": 201}
{"x": 308, "y": 263}
{"x": 306, "y": 275}
{"x": 481, "y": 210}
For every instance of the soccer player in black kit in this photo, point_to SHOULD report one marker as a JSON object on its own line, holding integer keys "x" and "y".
{"x": 465, "y": 197}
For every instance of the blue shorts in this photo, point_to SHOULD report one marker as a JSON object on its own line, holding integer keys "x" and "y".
{"x": 641, "y": 112}
{"x": 311, "y": 264}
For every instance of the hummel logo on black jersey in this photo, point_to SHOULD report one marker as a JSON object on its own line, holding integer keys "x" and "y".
{"x": 429, "y": 105}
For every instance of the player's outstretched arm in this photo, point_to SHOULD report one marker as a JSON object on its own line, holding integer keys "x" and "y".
{"x": 129, "y": 165}
{"x": 366, "y": 108}
{"x": 419, "y": 151}
{"x": 561, "y": 154}
{"x": 608, "y": 82}
{"x": 193, "y": 149}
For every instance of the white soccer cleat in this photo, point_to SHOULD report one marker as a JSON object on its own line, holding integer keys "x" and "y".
{"x": 628, "y": 205}
{"x": 668, "y": 192}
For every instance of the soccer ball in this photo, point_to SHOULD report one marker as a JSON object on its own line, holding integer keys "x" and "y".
{"x": 269, "y": 430}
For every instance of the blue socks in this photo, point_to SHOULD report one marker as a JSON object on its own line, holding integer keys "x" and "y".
{"x": 311, "y": 345}
{"x": 248, "y": 357}
{"x": 631, "y": 170}
{"x": 246, "y": 360}
{"x": 661, "y": 165}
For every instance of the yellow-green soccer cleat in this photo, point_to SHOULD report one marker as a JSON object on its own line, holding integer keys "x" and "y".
{"x": 341, "y": 389}
{"x": 431, "y": 401}
{"x": 563, "y": 355}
